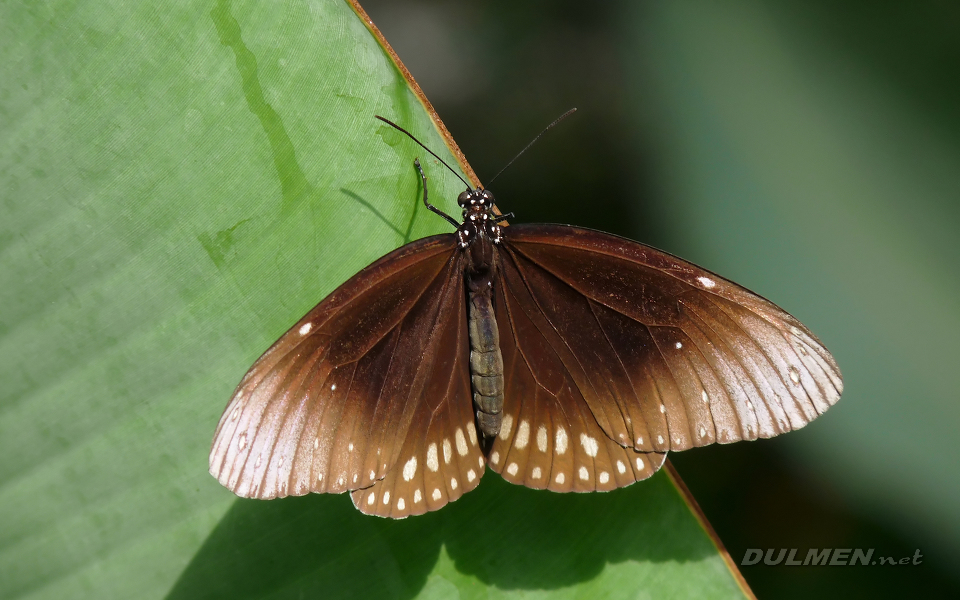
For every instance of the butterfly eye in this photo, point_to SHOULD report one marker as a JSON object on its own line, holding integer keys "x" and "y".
{"x": 464, "y": 199}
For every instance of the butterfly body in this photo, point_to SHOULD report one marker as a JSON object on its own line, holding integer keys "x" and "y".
{"x": 559, "y": 357}
{"x": 478, "y": 236}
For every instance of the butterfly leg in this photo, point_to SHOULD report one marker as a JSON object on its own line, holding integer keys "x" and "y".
{"x": 451, "y": 220}
{"x": 500, "y": 218}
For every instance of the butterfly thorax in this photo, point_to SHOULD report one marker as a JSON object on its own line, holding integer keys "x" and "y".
{"x": 477, "y": 236}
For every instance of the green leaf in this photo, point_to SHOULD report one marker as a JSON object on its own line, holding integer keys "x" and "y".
{"x": 179, "y": 186}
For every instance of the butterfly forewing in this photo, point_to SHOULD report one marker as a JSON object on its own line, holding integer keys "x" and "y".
{"x": 331, "y": 405}
{"x": 550, "y": 437}
{"x": 666, "y": 354}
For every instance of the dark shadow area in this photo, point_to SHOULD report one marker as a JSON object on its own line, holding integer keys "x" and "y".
{"x": 360, "y": 200}
{"x": 504, "y": 535}
{"x": 418, "y": 200}
{"x": 777, "y": 507}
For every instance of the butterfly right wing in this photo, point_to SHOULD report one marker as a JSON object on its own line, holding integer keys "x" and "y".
{"x": 667, "y": 355}
{"x": 330, "y": 405}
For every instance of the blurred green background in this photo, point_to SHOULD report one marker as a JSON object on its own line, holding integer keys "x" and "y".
{"x": 180, "y": 182}
{"x": 808, "y": 150}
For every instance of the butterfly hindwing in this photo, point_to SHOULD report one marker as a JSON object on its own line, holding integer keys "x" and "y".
{"x": 440, "y": 458}
{"x": 550, "y": 438}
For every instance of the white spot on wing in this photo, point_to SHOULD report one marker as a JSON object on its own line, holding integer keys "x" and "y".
{"x": 316, "y": 443}
{"x": 471, "y": 475}
{"x": 512, "y": 468}
{"x": 794, "y": 375}
{"x": 436, "y": 493}
{"x": 663, "y": 409}
{"x": 371, "y": 498}
{"x": 453, "y": 483}
{"x": 372, "y": 475}
{"x": 409, "y": 469}
{"x": 495, "y": 457}
{"x": 506, "y": 426}
{"x": 472, "y": 432}
{"x": 678, "y": 345}
{"x": 461, "y": 442}
{"x": 333, "y": 386}
{"x": 432, "y": 463}
{"x": 257, "y": 464}
{"x": 447, "y": 451}
{"x": 236, "y": 413}
{"x": 703, "y": 394}
{"x": 386, "y": 497}
{"x": 305, "y": 328}
{"x": 417, "y": 497}
{"x": 621, "y": 468}
{"x": 480, "y": 461}
{"x": 523, "y": 435}
{"x": 703, "y": 431}
{"x": 707, "y": 282}
{"x": 242, "y": 441}
{"x": 589, "y": 444}
{"x": 584, "y": 474}
{"x": 536, "y": 473}
{"x": 640, "y": 441}
{"x": 660, "y": 439}
{"x": 542, "y": 438}
{"x": 560, "y": 478}
{"x": 561, "y": 440}
{"x": 639, "y": 464}
{"x": 400, "y": 504}
{"x": 350, "y": 447}
{"x": 604, "y": 477}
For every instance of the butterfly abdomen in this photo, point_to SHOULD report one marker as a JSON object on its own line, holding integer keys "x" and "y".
{"x": 486, "y": 362}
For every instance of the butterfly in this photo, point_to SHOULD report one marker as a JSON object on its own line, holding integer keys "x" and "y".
{"x": 561, "y": 358}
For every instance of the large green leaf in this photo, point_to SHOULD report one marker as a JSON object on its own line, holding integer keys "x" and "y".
{"x": 179, "y": 185}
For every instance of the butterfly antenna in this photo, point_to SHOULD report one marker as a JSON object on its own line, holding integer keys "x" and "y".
{"x": 410, "y": 135}
{"x": 546, "y": 129}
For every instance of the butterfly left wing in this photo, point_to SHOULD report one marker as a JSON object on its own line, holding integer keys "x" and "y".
{"x": 665, "y": 354}
{"x": 341, "y": 402}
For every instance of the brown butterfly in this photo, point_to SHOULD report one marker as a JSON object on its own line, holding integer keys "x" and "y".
{"x": 559, "y": 357}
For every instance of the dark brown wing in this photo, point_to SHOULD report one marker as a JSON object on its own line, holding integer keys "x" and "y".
{"x": 369, "y": 391}
{"x": 549, "y": 438}
{"x": 665, "y": 355}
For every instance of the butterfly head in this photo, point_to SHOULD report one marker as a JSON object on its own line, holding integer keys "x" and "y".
{"x": 478, "y": 217}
